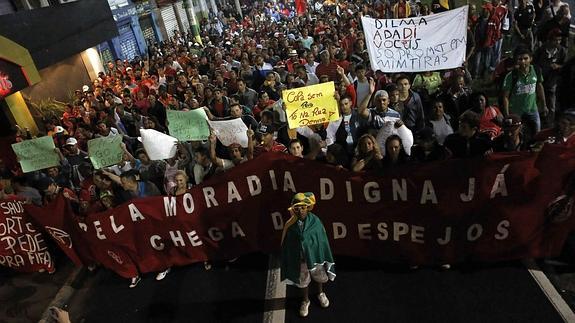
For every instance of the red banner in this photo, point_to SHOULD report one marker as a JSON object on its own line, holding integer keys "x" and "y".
{"x": 22, "y": 246}
{"x": 502, "y": 207}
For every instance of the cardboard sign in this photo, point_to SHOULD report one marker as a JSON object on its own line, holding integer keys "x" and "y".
{"x": 315, "y": 104}
{"x": 417, "y": 44}
{"x": 105, "y": 151}
{"x": 36, "y": 154}
{"x": 158, "y": 145}
{"x": 188, "y": 125}
{"x": 230, "y": 131}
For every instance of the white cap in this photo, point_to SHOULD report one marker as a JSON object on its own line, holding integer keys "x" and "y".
{"x": 85, "y": 88}
{"x": 59, "y": 129}
{"x": 71, "y": 141}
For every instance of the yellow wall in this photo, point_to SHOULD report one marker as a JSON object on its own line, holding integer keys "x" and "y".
{"x": 21, "y": 113}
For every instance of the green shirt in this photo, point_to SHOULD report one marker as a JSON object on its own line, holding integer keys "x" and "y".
{"x": 524, "y": 96}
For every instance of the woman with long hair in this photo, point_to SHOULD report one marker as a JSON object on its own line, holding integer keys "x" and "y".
{"x": 367, "y": 154}
{"x": 395, "y": 154}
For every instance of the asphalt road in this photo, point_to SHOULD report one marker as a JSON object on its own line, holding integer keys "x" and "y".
{"x": 362, "y": 292}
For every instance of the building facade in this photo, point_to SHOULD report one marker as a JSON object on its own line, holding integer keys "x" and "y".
{"x": 47, "y": 50}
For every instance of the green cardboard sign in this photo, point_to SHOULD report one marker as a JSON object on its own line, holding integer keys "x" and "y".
{"x": 36, "y": 154}
{"x": 188, "y": 125}
{"x": 105, "y": 151}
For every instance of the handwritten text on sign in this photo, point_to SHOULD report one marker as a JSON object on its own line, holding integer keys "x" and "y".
{"x": 417, "y": 44}
{"x": 311, "y": 105}
{"x": 22, "y": 247}
{"x": 36, "y": 154}
{"x": 188, "y": 125}
{"x": 105, "y": 151}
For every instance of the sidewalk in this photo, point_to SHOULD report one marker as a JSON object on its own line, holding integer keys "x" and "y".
{"x": 25, "y": 296}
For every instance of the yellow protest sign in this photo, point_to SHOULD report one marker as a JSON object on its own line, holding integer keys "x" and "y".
{"x": 310, "y": 105}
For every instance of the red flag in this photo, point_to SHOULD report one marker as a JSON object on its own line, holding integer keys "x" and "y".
{"x": 300, "y": 7}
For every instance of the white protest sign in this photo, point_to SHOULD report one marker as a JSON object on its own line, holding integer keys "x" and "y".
{"x": 417, "y": 44}
{"x": 230, "y": 131}
{"x": 389, "y": 129}
{"x": 158, "y": 145}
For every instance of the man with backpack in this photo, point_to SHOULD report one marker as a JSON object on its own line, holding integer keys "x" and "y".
{"x": 523, "y": 92}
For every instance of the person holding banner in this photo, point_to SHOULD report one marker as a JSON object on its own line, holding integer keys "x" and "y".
{"x": 235, "y": 152}
{"x": 306, "y": 254}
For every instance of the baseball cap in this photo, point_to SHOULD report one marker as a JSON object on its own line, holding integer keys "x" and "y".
{"x": 71, "y": 141}
{"x": 85, "y": 88}
{"x": 264, "y": 129}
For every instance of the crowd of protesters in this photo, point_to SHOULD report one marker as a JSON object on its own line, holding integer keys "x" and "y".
{"x": 243, "y": 64}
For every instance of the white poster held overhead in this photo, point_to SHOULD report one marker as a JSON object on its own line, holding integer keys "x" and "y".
{"x": 417, "y": 44}
{"x": 231, "y": 131}
{"x": 389, "y": 129}
{"x": 158, "y": 145}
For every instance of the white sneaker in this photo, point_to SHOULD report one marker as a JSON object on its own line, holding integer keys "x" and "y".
{"x": 207, "y": 265}
{"x": 134, "y": 282}
{"x": 163, "y": 274}
{"x": 304, "y": 309}
{"x": 323, "y": 301}
{"x": 446, "y": 266}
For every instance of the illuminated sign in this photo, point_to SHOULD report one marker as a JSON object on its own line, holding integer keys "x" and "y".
{"x": 5, "y": 85}
{"x": 12, "y": 78}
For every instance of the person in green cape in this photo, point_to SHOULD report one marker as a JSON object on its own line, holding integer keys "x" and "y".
{"x": 306, "y": 254}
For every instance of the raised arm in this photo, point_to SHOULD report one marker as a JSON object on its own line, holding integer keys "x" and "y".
{"x": 250, "y": 154}
{"x": 362, "y": 108}
{"x": 218, "y": 161}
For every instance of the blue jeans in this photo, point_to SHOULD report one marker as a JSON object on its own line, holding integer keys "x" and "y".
{"x": 532, "y": 124}
{"x": 482, "y": 60}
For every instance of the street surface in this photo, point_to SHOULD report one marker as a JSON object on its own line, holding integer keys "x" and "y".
{"x": 362, "y": 292}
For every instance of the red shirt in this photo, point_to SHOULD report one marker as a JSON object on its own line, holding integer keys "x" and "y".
{"x": 88, "y": 190}
{"x": 219, "y": 109}
{"x": 330, "y": 70}
{"x": 276, "y": 147}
